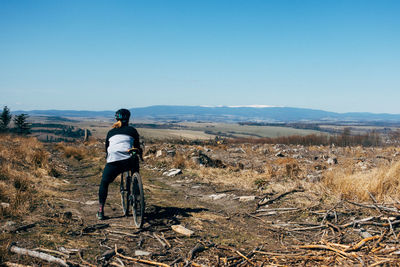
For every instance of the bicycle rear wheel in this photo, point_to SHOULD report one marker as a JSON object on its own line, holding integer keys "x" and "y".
{"x": 137, "y": 200}
{"x": 125, "y": 189}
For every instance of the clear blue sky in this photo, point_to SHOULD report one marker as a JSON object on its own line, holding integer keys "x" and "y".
{"x": 337, "y": 55}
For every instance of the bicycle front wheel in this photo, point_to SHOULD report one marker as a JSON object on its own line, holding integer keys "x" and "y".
{"x": 137, "y": 200}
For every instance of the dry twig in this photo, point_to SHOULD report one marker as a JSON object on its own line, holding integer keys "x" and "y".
{"x": 362, "y": 243}
{"x": 84, "y": 261}
{"x": 139, "y": 260}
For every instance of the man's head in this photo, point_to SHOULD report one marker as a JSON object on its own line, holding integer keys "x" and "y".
{"x": 122, "y": 115}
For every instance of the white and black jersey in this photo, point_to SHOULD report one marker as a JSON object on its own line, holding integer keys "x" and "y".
{"x": 119, "y": 141}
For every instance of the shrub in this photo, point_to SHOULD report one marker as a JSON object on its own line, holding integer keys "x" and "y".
{"x": 179, "y": 161}
{"x": 72, "y": 151}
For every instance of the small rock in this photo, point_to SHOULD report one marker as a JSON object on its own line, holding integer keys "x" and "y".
{"x": 5, "y": 205}
{"x": 247, "y": 198}
{"x": 142, "y": 253}
{"x": 172, "y": 172}
{"x": 91, "y": 202}
{"x": 364, "y": 233}
{"x": 332, "y": 161}
{"x": 217, "y": 196}
{"x": 182, "y": 230}
{"x": 159, "y": 153}
{"x": 204, "y": 160}
{"x": 237, "y": 150}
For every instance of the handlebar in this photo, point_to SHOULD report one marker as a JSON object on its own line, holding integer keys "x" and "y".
{"x": 136, "y": 151}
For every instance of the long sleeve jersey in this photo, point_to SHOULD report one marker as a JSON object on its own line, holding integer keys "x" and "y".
{"x": 119, "y": 141}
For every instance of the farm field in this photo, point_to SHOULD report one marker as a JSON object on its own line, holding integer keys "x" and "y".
{"x": 177, "y": 130}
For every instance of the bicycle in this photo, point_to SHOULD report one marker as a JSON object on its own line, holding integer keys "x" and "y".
{"x": 132, "y": 195}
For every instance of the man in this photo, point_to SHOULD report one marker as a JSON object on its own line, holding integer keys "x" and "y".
{"x": 119, "y": 143}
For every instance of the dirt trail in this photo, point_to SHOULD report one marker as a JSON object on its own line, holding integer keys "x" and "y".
{"x": 215, "y": 214}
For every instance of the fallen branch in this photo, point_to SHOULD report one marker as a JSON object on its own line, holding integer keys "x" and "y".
{"x": 278, "y": 254}
{"x": 278, "y": 209}
{"x": 308, "y": 228}
{"x": 165, "y": 240}
{"x": 139, "y": 260}
{"x": 116, "y": 264}
{"x": 176, "y": 261}
{"x": 391, "y": 229}
{"x": 198, "y": 248}
{"x": 358, "y": 221}
{"x": 362, "y": 243}
{"x": 23, "y": 228}
{"x": 52, "y": 251}
{"x": 374, "y": 206}
{"x": 244, "y": 257}
{"x": 35, "y": 254}
{"x": 121, "y": 233}
{"x": 263, "y": 202}
{"x": 159, "y": 240}
{"x": 326, "y": 248}
{"x": 381, "y": 263}
{"x": 121, "y": 262}
{"x": 11, "y": 264}
{"x": 108, "y": 254}
{"x": 237, "y": 252}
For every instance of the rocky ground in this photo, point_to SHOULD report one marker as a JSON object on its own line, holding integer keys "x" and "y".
{"x": 247, "y": 205}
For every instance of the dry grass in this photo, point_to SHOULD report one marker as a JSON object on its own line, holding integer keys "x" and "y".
{"x": 24, "y": 163}
{"x": 179, "y": 161}
{"x": 359, "y": 171}
{"x": 71, "y": 151}
{"x": 382, "y": 182}
{"x": 246, "y": 179}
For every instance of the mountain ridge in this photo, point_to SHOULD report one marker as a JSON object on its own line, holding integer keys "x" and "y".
{"x": 226, "y": 113}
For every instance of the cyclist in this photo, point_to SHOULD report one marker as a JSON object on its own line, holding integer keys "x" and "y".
{"x": 120, "y": 141}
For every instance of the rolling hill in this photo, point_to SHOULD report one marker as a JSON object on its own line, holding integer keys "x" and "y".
{"x": 229, "y": 114}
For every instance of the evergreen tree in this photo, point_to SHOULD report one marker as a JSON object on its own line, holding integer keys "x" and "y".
{"x": 5, "y": 118}
{"x": 21, "y": 124}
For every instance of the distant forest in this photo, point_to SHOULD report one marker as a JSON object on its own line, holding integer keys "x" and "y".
{"x": 55, "y": 132}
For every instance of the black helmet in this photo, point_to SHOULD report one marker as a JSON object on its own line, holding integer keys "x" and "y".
{"x": 122, "y": 115}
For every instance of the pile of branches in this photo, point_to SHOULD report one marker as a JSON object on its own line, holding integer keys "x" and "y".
{"x": 349, "y": 233}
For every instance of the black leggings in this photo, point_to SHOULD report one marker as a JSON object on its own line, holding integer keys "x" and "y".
{"x": 111, "y": 171}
